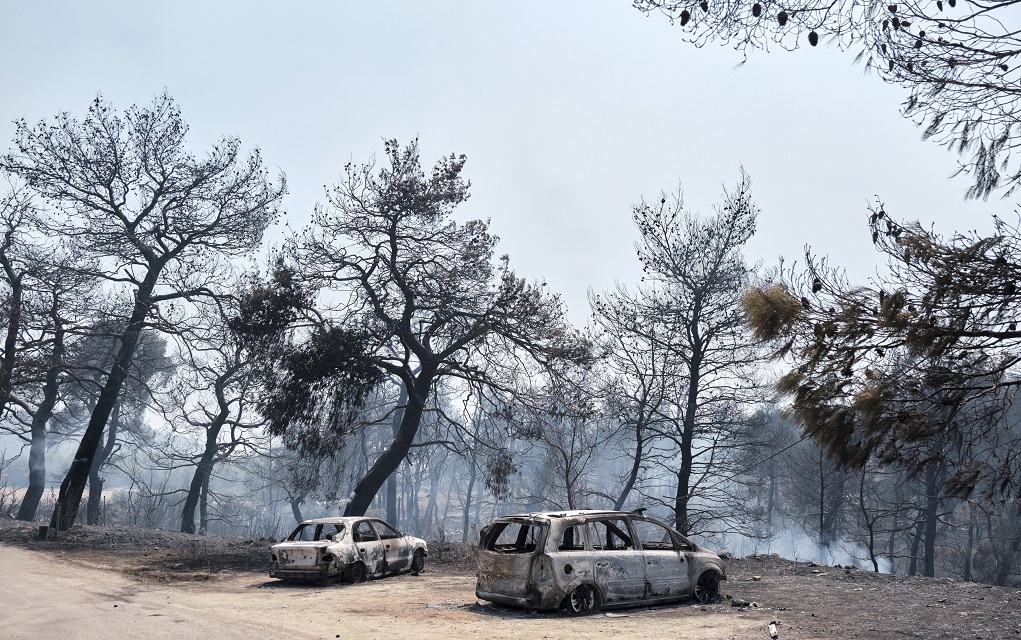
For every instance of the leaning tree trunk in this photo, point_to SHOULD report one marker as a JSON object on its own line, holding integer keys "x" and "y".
{"x": 296, "y": 506}
{"x": 203, "y": 470}
{"x": 93, "y": 506}
{"x": 73, "y": 486}
{"x": 636, "y": 460}
{"x": 370, "y": 484}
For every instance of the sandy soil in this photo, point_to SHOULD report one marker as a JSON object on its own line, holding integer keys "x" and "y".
{"x": 101, "y": 582}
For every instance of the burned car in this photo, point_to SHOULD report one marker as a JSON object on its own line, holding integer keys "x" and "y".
{"x": 587, "y": 560}
{"x": 350, "y": 549}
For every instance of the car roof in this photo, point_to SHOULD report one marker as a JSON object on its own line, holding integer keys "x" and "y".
{"x": 569, "y": 513}
{"x": 337, "y": 520}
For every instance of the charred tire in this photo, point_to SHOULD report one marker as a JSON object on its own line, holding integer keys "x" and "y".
{"x": 707, "y": 588}
{"x": 418, "y": 562}
{"x": 356, "y": 573}
{"x": 582, "y": 601}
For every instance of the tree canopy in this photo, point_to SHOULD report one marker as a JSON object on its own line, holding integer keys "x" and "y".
{"x": 124, "y": 190}
{"x": 960, "y": 61}
{"x": 918, "y": 367}
{"x": 396, "y": 288}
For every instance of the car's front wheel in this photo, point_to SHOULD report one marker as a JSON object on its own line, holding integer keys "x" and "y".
{"x": 707, "y": 588}
{"x": 582, "y": 600}
{"x": 418, "y": 562}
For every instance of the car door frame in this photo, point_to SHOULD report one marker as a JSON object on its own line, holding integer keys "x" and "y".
{"x": 369, "y": 551}
{"x": 667, "y": 571}
{"x": 619, "y": 572}
{"x": 397, "y": 550}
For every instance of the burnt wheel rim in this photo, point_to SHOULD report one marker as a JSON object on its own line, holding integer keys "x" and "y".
{"x": 582, "y": 600}
{"x": 357, "y": 573}
{"x": 707, "y": 587}
{"x": 418, "y": 562}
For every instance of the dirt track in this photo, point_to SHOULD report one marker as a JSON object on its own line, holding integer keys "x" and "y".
{"x": 102, "y": 582}
{"x": 43, "y": 598}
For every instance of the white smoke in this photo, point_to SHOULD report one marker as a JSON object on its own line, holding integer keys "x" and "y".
{"x": 798, "y": 546}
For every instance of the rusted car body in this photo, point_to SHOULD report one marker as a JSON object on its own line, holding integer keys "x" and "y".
{"x": 587, "y": 560}
{"x": 352, "y": 549}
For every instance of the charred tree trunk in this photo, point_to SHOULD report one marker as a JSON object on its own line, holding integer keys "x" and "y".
{"x": 430, "y": 506}
{"x": 916, "y": 539}
{"x": 447, "y": 502}
{"x": 681, "y": 519}
{"x": 824, "y": 542}
{"x": 414, "y": 510}
{"x": 204, "y": 468}
{"x": 200, "y": 479}
{"x": 771, "y": 499}
{"x": 870, "y": 522}
{"x": 204, "y": 507}
{"x": 36, "y": 469}
{"x": 14, "y": 309}
{"x": 296, "y": 501}
{"x": 468, "y": 497}
{"x": 970, "y": 551}
{"x": 392, "y": 516}
{"x": 391, "y": 482}
{"x": 831, "y": 509}
{"x": 370, "y": 484}
{"x": 94, "y": 506}
{"x": 636, "y": 466}
{"x": 43, "y": 413}
{"x": 480, "y": 493}
{"x": 891, "y": 547}
{"x": 1005, "y": 559}
{"x": 931, "y": 519}
{"x": 73, "y": 486}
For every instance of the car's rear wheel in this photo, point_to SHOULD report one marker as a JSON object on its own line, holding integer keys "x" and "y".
{"x": 707, "y": 588}
{"x": 356, "y": 573}
{"x": 582, "y": 600}
{"x": 418, "y": 562}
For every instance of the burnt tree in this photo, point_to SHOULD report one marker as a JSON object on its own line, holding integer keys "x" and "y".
{"x": 407, "y": 293}
{"x": 126, "y": 191}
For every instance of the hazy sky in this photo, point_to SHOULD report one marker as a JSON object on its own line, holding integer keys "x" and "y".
{"x": 568, "y": 112}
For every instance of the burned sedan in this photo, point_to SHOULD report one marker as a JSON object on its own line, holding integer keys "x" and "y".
{"x": 351, "y": 549}
{"x": 587, "y": 560}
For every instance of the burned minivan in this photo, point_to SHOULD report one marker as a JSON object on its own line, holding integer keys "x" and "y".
{"x": 587, "y": 560}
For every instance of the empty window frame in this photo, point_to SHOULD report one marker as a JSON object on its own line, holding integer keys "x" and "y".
{"x": 611, "y": 534}
{"x": 572, "y": 539}
{"x": 513, "y": 537}
{"x": 654, "y": 536}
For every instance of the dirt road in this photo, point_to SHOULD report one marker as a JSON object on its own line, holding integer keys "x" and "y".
{"x": 118, "y": 582}
{"x": 44, "y": 597}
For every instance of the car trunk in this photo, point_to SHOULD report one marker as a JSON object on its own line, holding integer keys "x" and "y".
{"x": 506, "y": 574}
{"x": 299, "y": 555}
{"x": 506, "y": 552}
